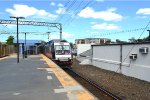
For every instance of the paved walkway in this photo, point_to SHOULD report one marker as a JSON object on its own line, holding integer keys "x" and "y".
{"x": 37, "y": 78}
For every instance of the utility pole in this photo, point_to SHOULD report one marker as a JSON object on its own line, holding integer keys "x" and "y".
{"x": 60, "y": 31}
{"x": 25, "y": 53}
{"x": 17, "y": 18}
{"x": 48, "y": 35}
{"x": 149, "y": 35}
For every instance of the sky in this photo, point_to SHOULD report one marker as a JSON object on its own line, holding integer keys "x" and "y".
{"x": 113, "y": 19}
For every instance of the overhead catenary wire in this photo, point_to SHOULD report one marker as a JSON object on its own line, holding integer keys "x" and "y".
{"x": 75, "y": 14}
{"x": 4, "y": 31}
{"x": 119, "y": 32}
{"x": 67, "y": 9}
{"x": 132, "y": 47}
{"x": 76, "y": 10}
{"x": 65, "y": 5}
{"x": 138, "y": 38}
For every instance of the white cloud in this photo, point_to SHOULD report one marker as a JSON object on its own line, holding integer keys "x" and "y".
{"x": 54, "y": 36}
{"x": 60, "y": 5}
{"x": 144, "y": 11}
{"x": 93, "y": 22}
{"x": 105, "y": 26}
{"x": 9, "y": 25}
{"x": 65, "y": 35}
{"x": 142, "y": 17}
{"x": 92, "y": 32}
{"x": 26, "y": 11}
{"x": 108, "y": 15}
{"x": 61, "y": 10}
{"x": 53, "y": 4}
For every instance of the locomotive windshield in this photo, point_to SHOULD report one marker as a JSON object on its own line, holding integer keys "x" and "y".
{"x": 62, "y": 49}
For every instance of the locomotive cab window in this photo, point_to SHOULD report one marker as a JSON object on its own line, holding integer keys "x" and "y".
{"x": 62, "y": 49}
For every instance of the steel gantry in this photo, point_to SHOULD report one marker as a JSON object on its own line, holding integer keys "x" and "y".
{"x": 34, "y": 23}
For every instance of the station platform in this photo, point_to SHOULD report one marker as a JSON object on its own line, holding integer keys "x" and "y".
{"x": 38, "y": 78}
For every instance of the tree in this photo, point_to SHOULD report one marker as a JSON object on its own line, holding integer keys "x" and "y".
{"x": 119, "y": 41}
{"x": 108, "y": 42}
{"x": 146, "y": 38}
{"x": 43, "y": 42}
{"x": 132, "y": 40}
{"x": 71, "y": 45}
{"x": 10, "y": 40}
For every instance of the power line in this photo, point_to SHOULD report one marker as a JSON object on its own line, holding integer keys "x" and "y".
{"x": 68, "y": 8}
{"x": 120, "y": 32}
{"x": 71, "y": 20}
{"x": 66, "y": 4}
{"x": 78, "y": 7}
{"x": 138, "y": 38}
{"x": 133, "y": 46}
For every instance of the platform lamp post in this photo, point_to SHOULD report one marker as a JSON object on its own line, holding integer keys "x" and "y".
{"x": 17, "y": 18}
{"x": 149, "y": 35}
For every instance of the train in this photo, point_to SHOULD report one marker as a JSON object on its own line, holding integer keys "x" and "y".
{"x": 59, "y": 51}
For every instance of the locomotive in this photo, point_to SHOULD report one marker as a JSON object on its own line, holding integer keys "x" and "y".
{"x": 59, "y": 51}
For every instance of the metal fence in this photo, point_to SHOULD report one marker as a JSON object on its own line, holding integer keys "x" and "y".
{"x": 6, "y": 50}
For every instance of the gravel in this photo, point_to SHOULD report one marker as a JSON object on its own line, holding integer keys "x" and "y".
{"x": 125, "y": 87}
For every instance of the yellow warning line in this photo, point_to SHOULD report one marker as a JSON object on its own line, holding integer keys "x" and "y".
{"x": 11, "y": 55}
{"x": 66, "y": 80}
{"x": 3, "y": 58}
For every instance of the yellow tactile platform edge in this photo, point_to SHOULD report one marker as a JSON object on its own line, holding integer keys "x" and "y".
{"x": 67, "y": 80}
{"x": 3, "y": 58}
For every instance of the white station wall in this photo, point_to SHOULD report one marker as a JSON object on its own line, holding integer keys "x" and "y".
{"x": 108, "y": 57}
{"x": 82, "y": 48}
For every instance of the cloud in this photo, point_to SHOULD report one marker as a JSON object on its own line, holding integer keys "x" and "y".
{"x": 142, "y": 17}
{"x": 10, "y": 26}
{"x": 105, "y": 26}
{"x": 53, "y": 3}
{"x": 107, "y": 15}
{"x": 61, "y": 10}
{"x": 27, "y": 11}
{"x": 65, "y": 35}
{"x": 144, "y": 11}
{"x": 93, "y": 22}
{"x": 60, "y": 5}
{"x": 92, "y": 32}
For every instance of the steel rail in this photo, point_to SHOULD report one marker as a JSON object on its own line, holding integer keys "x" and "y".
{"x": 97, "y": 86}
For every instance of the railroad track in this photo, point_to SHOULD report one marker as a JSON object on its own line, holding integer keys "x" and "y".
{"x": 104, "y": 94}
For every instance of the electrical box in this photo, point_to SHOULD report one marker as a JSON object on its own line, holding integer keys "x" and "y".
{"x": 143, "y": 50}
{"x": 133, "y": 56}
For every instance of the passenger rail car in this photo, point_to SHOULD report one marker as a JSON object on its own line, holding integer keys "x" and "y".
{"x": 59, "y": 52}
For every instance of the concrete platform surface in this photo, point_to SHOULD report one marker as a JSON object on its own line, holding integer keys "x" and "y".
{"x": 38, "y": 78}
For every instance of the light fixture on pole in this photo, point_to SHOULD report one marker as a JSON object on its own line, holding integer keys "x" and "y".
{"x": 17, "y": 18}
{"x": 149, "y": 35}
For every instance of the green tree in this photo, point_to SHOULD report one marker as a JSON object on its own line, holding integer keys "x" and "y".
{"x": 132, "y": 40}
{"x": 108, "y": 42}
{"x": 71, "y": 45}
{"x": 146, "y": 38}
{"x": 10, "y": 40}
